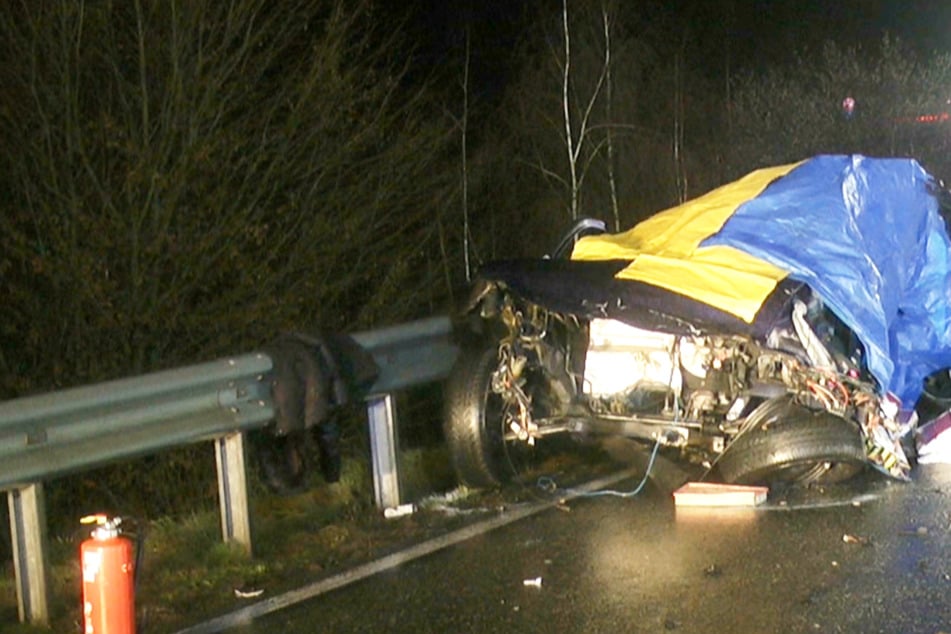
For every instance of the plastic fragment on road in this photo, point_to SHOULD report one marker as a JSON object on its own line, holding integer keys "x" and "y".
{"x": 399, "y": 511}
{"x": 248, "y": 594}
{"x": 451, "y": 503}
{"x": 713, "y": 494}
{"x": 933, "y": 440}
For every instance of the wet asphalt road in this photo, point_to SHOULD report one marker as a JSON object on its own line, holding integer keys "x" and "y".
{"x": 640, "y": 565}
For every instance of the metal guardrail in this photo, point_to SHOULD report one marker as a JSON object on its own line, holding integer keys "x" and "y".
{"x": 73, "y": 430}
{"x": 410, "y": 354}
{"x": 61, "y": 432}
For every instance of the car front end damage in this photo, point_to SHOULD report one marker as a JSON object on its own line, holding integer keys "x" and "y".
{"x": 780, "y": 328}
{"x": 694, "y": 392}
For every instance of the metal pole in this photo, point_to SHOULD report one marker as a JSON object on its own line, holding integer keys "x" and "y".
{"x": 381, "y": 412}
{"x": 233, "y": 490}
{"x": 30, "y": 560}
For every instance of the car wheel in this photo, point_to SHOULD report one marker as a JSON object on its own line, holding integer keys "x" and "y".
{"x": 786, "y": 442}
{"x": 474, "y": 423}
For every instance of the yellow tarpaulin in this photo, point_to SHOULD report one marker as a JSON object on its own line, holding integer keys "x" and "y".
{"x": 665, "y": 250}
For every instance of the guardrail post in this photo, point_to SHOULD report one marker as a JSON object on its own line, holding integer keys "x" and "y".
{"x": 381, "y": 413}
{"x": 230, "y": 457}
{"x": 30, "y": 561}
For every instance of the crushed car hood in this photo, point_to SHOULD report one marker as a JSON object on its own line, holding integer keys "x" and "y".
{"x": 865, "y": 234}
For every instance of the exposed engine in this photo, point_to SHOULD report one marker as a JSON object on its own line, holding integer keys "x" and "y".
{"x": 628, "y": 369}
{"x": 690, "y": 391}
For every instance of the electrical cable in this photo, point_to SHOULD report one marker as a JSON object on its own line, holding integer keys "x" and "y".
{"x": 548, "y": 484}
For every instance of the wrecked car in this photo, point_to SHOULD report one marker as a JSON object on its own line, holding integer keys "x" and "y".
{"x": 778, "y": 329}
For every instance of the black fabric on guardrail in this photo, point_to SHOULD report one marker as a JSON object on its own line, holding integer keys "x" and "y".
{"x": 313, "y": 375}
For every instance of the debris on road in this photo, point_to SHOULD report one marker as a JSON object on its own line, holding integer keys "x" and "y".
{"x": 399, "y": 511}
{"x": 455, "y": 502}
{"x": 713, "y": 494}
{"x": 248, "y": 594}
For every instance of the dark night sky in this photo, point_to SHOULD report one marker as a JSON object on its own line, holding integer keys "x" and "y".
{"x": 773, "y": 28}
{"x": 759, "y": 32}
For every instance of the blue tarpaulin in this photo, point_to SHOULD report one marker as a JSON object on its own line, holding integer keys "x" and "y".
{"x": 865, "y": 234}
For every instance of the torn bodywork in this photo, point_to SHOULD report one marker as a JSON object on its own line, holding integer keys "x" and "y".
{"x": 692, "y": 391}
{"x": 778, "y": 328}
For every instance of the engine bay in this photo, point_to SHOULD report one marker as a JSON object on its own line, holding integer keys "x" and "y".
{"x": 694, "y": 391}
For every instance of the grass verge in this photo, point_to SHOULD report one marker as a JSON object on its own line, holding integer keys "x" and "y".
{"x": 186, "y": 574}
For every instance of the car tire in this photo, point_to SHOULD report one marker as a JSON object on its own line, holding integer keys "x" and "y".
{"x": 788, "y": 443}
{"x": 473, "y": 423}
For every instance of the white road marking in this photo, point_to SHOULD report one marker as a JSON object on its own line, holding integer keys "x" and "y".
{"x": 246, "y": 615}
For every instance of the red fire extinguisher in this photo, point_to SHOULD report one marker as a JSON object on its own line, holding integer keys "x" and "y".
{"x": 108, "y": 567}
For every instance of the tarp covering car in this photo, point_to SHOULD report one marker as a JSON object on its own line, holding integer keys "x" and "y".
{"x": 863, "y": 233}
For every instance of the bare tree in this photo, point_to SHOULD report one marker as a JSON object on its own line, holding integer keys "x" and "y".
{"x": 589, "y": 116}
{"x": 464, "y": 124}
{"x": 575, "y": 139}
{"x": 184, "y": 178}
{"x": 609, "y": 115}
{"x": 679, "y": 121}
